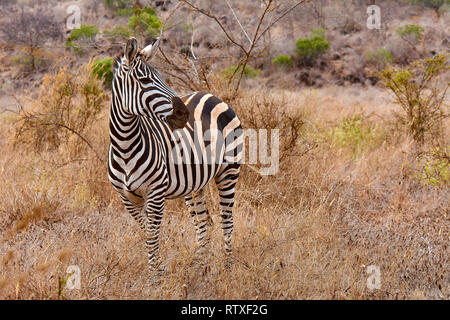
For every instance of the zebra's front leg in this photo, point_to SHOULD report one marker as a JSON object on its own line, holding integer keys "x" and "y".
{"x": 154, "y": 212}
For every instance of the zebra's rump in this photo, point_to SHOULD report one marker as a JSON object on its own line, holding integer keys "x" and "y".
{"x": 211, "y": 141}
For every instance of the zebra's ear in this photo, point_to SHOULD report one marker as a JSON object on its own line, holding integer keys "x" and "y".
{"x": 131, "y": 49}
{"x": 149, "y": 51}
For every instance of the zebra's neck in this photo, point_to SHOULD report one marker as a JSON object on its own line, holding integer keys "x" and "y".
{"x": 125, "y": 132}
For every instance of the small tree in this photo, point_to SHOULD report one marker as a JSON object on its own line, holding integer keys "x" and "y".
{"x": 418, "y": 89}
{"x": 413, "y": 35}
{"x": 251, "y": 46}
{"x": 29, "y": 29}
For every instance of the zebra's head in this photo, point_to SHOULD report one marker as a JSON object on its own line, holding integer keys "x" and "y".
{"x": 139, "y": 89}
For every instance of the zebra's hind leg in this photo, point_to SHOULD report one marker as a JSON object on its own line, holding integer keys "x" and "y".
{"x": 226, "y": 181}
{"x": 202, "y": 219}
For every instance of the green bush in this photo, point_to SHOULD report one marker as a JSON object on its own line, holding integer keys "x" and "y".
{"x": 283, "y": 60}
{"x": 410, "y": 29}
{"x": 249, "y": 72}
{"x": 309, "y": 49}
{"x": 83, "y": 32}
{"x": 354, "y": 134}
{"x": 23, "y": 61}
{"x": 144, "y": 21}
{"x": 380, "y": 58}
{"x": 102, "y": 69}
{"x": 435, "y": 167}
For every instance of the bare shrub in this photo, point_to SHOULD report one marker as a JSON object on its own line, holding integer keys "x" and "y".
{"x": 68, "y": 105}
{"x": 274, "y": 112}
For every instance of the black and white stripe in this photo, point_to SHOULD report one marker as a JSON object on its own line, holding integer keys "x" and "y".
{"x": 158, "y": 148}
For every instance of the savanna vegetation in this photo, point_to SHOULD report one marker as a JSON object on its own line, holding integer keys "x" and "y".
{"x": 364, "y": 163}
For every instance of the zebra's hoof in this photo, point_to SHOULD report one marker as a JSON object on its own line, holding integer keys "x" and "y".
{"x": 157, "y": 275}
{"x": 158, "y": 270}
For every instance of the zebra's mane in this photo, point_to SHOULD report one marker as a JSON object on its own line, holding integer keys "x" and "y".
{"x": 117, "y": 61}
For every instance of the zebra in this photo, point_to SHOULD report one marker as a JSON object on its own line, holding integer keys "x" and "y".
{"x": 157, "y": 149}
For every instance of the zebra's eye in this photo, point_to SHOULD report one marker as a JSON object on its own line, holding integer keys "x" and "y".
{"x": 146, "y": 80}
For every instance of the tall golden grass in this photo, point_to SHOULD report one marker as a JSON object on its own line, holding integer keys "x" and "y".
{"x": 348, "y": 194}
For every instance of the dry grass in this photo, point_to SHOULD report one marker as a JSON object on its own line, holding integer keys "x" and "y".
{"x": 306, "y": 233}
